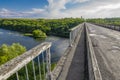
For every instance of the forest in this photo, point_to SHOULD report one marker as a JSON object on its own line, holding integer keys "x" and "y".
{"x": 57, "y": 27}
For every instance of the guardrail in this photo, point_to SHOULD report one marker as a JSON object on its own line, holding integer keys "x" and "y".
{"x": 73, "y": 34}
{"x": 93, "y": 68}
{"x": 39, "y": 57}
{"x": 117, "y": 28}
{"x": 73, "y": 41}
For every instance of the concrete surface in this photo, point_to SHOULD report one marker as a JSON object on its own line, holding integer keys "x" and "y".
{"x": 74, "y": 68}
{"x": 77, "y": 67}
{"x": 106, "y": 43}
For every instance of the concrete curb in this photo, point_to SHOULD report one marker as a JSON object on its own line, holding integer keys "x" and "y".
{"x": 94, "y": 72}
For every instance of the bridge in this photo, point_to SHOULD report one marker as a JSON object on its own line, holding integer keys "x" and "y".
{"x": 93, "y": 54}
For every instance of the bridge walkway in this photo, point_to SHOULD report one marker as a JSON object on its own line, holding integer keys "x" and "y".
{"x": 75, "y": 65}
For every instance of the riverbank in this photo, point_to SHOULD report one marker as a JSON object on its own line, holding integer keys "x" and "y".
{"x": 58, "y": 47}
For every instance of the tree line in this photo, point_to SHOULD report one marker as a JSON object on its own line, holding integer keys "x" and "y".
{"x": 105, "y": 21}
{"x": 58, "y": 27}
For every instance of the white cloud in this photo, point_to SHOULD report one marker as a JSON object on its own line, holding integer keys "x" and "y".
{"x": 7, "y": 13}
{"x": 58, "y": 9}
{"x": 79, "y": 1}
{"x": 34, "y": 11}
{"x": 96, "y": 9}
{"x": 4, "y": 12}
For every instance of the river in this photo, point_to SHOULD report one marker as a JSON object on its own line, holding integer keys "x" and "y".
{"x": 58, "y": 48}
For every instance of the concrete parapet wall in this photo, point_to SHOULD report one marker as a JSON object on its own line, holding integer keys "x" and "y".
{"x": 93, "y": 68}
{"x": 71, "y": 49}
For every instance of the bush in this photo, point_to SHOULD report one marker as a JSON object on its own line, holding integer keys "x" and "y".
{"x": 38, "y": 34}
{"x": 8, "y": 52}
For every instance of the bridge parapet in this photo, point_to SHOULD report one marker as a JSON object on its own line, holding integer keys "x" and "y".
{"x": 14, "y": 65}
{"x": 93, "y": 68}
{"x": 74, "y": 33}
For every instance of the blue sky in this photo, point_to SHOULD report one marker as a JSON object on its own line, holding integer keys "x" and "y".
{"x": 59, "y": 8}
{"x": 22, "y": 4}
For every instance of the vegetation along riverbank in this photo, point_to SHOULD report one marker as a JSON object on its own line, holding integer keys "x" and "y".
{"x": 41, "y": 27}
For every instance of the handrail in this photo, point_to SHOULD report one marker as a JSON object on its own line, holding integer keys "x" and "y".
{"x": 94, "y": 72}
{"x": 113, "y": 27}
{"x": 60, "y": 65}
{"x": 74, "y": 33}
{"x": 14, "y": 65}
{"x": 75, "y": 27}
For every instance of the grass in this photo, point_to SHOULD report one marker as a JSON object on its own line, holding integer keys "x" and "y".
{"x": 28, "y": 34}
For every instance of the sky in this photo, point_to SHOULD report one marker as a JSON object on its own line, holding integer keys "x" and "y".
{"x": 59, "y": 8}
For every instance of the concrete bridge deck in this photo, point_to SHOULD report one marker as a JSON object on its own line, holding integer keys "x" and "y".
{"x": 106, "y": 44}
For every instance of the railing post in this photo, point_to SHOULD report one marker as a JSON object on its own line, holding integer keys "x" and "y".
{"x": 26, "y": 69}
{"x": 17, "y": 76}
{"x": 33, "y": 65}
{"x": 48, "y": 64}
{"x": 70, "y": 41}
{"x": 39, "y": 68}
{"x": 43, "y": 63}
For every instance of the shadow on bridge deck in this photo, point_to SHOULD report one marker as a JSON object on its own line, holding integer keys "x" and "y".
{"x": 76, "y": 64}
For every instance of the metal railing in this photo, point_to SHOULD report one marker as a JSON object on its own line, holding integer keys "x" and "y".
{"x": 113, "y": 27}
{"x": 74, "y": 33}
{"x": 93, "y": 68}
{"x": 34, "y": 64}
{"x": 56, "y": 73}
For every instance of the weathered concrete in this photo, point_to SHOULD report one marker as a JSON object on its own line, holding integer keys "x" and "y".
{"x": 106, "y": 43}
{"x": 66, "y": 58}
{"x": 93, "y": 68}
{"x": 80, "y": 62}
{"x": 77, "y": 67}
{"x": 74, "y": 67}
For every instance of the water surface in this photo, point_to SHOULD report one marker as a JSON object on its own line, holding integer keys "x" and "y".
{"x": 59, "y": 45}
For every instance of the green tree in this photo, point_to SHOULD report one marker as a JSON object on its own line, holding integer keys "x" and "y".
{"x": 8, "y": 52}
{"x": 57, "y": 27}
{"x": 38, "y": 34}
